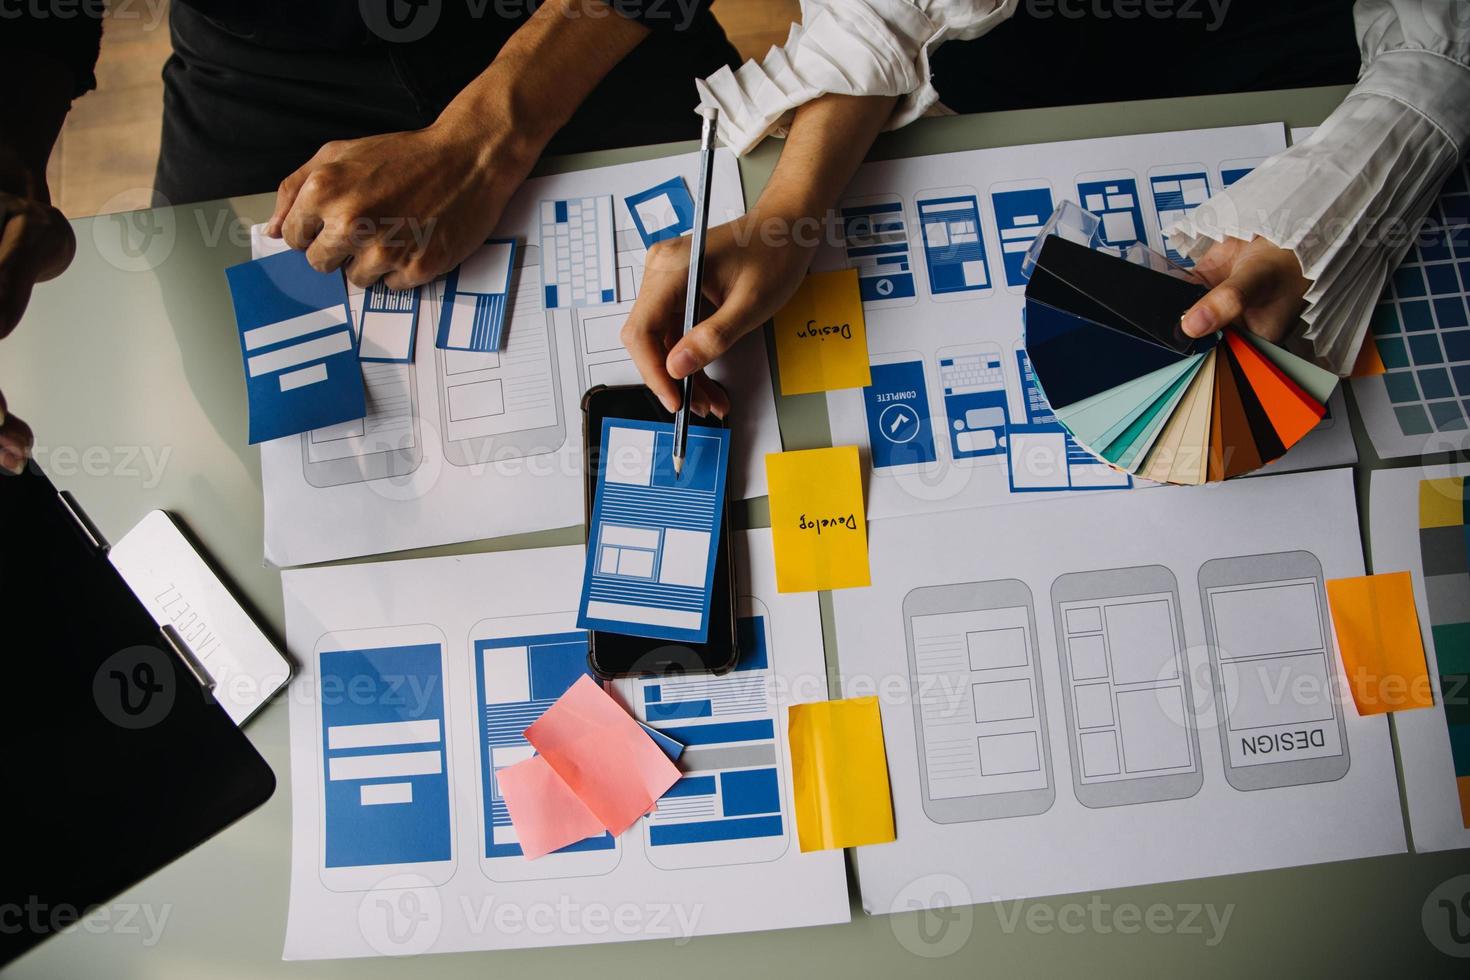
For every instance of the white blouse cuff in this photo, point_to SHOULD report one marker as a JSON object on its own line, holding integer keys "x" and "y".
{"x": 855, "y": 47}
{"x": 1341, "y": 201}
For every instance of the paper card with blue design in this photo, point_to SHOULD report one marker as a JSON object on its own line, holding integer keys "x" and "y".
{"x": 386, "y": 322}
{"x": 663, "y": 211}
{"x": 578, "y": 252}
{"x": 654, "y": 534}
{"x": 296, "y": 340}
{"x": 397, "y": 754}
{"x": 476, "y": 295}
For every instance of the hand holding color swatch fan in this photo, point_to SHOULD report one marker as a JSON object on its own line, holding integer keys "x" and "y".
{"x": 1103, "y": 336}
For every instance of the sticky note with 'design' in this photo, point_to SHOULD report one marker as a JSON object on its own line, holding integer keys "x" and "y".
{"x": 1378, "y": 636}
{"x": 818, "y": 524}
{"x": 821, "y": 339}
{"x": 839, "y": 774}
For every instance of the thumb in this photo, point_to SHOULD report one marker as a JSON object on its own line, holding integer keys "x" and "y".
{"x": 1225, "y": 303}
{"x": 711, "y": 338}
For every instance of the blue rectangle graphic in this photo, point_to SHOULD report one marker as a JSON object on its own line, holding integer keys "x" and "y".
{"x": 386, "y": 783}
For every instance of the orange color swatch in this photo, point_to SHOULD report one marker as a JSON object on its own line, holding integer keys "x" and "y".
{"x": 1293, "y": 413}
{"x": 1378, "y": 638}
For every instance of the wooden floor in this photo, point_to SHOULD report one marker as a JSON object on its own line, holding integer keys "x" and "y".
{"x": 104, "y": 160}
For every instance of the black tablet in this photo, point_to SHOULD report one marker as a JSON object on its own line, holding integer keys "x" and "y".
{"x": 116, "y": 758}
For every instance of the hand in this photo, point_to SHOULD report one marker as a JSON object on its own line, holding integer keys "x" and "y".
{"x": 1254, "y": 283}
{"x": 36, "y": 244}
{"x": 402, "y": 207}
{"x": 752, "y": 266}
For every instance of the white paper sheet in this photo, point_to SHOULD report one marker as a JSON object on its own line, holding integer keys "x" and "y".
{"x": 1435, "y": 820}
{"x": 643, "y": 887}
{"x": 460, "y": 445}
{"x": 991, "y": 805}
{"x": 925, "y": 306}
{"x": 178, "y": 588}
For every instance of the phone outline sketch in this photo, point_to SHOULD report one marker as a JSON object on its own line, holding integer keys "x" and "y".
{"x": 1109, "y": 176}
{"x": 368, "y": 877}
{"x": 380, "y": 464}
{"x": 945, "y": 195}
{"x": 900, "y": 469}
{"x": 710, "y": 854}
{"x": 1003, "y": 187}
{"x": 868, "y": 200}
{"x": 513, "y": 868}
{"x": 997, "y": 453}
{"x": 971, "y": 597}
{"x": 481, "y": 451}
{"x": 1099, "y": 585}
{"x": 1165, "y": 171}
{"x": 1267, "y": 570}
{"x": 628, "y": 258}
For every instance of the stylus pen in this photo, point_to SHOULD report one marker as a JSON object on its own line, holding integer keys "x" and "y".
{"x": 696, "y": 275}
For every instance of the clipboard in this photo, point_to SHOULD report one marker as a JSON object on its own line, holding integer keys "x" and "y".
{"x": 119, "y": 759}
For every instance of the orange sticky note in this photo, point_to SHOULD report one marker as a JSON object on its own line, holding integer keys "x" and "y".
{"x": 546, "y": 814}
{"x": 1379, "y": 640}
{"x": 598, "y": 750}
{"x": 821, "y": 339}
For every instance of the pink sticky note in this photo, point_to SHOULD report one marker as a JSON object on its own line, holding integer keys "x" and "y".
{"x": 545, "y": 812}
{"x": 602, "y": 755}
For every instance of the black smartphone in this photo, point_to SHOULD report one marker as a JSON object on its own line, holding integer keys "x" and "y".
{"x": 617, "y": 655}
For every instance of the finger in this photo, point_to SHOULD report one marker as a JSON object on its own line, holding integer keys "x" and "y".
{"x": 16, "y": 440}
{"x": 286, "y": 195}
{"x": 1224, "y": 304}
{"x": 368, "y": 266}
{"x": 328, "y": 250}
{"x": 711, "y": 338}
{"x": 715, "y": 396}
{"x": 17, "y": 270}
{"x": 649, "y": 328}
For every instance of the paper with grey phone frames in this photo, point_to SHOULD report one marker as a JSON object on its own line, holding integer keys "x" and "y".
{"x": 1069, "y": 689}
{"x": 462, "y": 445}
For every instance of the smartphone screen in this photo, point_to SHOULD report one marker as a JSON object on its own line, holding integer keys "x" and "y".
{"x": 640, "y": 548}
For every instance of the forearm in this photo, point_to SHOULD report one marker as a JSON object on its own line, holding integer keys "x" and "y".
{"x": 544, "y": 72}
{"x": 29, "y": 125}
{"x": 829, "y": 138}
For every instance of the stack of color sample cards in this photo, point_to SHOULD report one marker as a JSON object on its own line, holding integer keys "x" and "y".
{"x": 1104, "y": 340}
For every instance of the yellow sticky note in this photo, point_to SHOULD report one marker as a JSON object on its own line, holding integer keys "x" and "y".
{"x": 1378, "y": 636}
{"x": 840, "y": 773}
{"x": 821, "y": 340}
{"x": 817, "y": 519}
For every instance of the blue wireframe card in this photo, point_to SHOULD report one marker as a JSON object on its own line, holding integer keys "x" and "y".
{"x": 654, "y": 536}
{"x": 301, "y": 369}
{"x": 476, "y": 295}
{"x": 663, "y": 211}
{"x": 389, "y": 321}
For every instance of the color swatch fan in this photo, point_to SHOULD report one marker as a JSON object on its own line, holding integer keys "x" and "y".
{"x": 1103, "y": 336}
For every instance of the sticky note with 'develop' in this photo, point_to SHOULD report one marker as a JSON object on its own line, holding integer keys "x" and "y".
{"x": 839, "y": 774}
{"x": 821, "y": 338}
{"x": 818, "y": 525}
{"x": 1378, "y": 636}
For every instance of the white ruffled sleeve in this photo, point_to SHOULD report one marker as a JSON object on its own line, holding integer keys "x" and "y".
{"x": 1347, "y": 200}
{"x": 845, "y": 47}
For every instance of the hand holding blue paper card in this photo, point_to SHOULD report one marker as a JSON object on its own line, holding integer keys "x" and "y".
{"x": 476, "y": 295}
{"x": 301, "y": 369}
{"x": 654, "y": 535}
